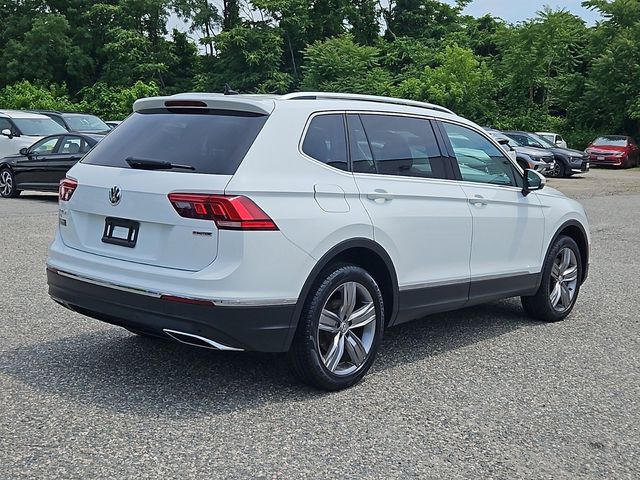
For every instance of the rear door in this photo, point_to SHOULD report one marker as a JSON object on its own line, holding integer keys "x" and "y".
{"x": 66, "y": 155}
{"x": 508, "y": 227}
{"x": 32, "y": 171}
{"x": 420, "y": 216}
{"x": 113, "y": 199}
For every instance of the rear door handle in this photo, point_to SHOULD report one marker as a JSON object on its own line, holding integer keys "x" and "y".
{"x": 379, "y": 194}
{"x": 478, "y": 201}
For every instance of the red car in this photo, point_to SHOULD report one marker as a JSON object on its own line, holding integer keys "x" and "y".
{"x": 614, "y": 150}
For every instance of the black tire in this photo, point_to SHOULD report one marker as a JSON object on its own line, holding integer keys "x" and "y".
{"x": 559, "y": 171}
{"x": 8, "y": 184}
{"x": 540, "y": 306}
{"x": 305, "y": 354}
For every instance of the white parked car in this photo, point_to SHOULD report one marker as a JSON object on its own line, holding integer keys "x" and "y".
{"x": 20, "y": 129}
{"x": 306, "y": 223}
{"x": 554, "y": 138}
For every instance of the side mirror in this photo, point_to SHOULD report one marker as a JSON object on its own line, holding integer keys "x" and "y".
{"x": 503, "y": 141}
{"x": 24, "y": 151}
{"x": 532, "y": 181}
{"x": 7, "y": 133}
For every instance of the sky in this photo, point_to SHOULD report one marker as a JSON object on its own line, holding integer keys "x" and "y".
{"x": 512, "y": 11}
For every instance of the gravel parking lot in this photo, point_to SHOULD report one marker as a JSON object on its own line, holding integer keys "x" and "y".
{"x": 479, "y": 393}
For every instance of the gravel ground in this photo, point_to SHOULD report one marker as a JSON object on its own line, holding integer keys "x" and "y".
{"x": 478, "y": 393}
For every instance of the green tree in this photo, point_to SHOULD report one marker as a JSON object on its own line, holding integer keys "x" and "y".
{"x": 340, "y": 65}
{"x": 461, "y": 82}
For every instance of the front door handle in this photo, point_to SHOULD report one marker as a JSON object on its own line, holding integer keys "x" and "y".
{"x": 379, "y": 194}
{"x": 478, "y": 201}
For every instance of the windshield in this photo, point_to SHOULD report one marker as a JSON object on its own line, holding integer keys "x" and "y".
{"x": 611, "y": 141}
{"x": 38, "y": 127}
{"x": 500, "y": 138}
{"x": 542, "y": 140}
{"x": 86, "y": 123}
{"x": 213, "y": 142}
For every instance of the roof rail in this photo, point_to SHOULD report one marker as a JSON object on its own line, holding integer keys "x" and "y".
{"x": 365, "y": 98}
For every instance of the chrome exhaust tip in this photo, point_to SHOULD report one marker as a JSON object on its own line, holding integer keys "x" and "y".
{"x": 198, "y": 341}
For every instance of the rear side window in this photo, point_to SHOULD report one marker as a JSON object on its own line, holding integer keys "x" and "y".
{"x": 404, "y": 146}
{"x": 213, "y": 142}
{"x": 326, "y": 141}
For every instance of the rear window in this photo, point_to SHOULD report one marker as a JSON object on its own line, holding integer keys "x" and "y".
{"x": 86, "y": 123}
{"x": 611, "y": 141}
{"x": 213, "y": 142}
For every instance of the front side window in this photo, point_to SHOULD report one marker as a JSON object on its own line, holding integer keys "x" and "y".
{"x": 479, "y": 160}
{"x": 326, "y": 141}
{"x": 397, "y": 145}
{"x": 45, "y": 147}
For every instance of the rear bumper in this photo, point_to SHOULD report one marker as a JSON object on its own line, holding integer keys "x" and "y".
{"x": 256, "y": 328}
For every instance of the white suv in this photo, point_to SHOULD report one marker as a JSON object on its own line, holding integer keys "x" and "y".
{"x": 306, "y": 223}
{"x": 20, "y": 129}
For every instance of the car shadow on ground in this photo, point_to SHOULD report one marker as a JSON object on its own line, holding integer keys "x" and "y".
{"x": 114, "y": 370}
{"x": 52, "y": 198}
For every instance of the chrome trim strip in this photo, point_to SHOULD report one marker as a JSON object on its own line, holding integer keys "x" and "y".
{"x": 149, "y": 293}
{"x": 102, "y": 283}
{"x": 175, "y": 334}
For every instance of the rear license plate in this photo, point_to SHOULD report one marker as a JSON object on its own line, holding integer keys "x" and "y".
{"x": 120, "y": 231}
{"x": 600, "y": 157}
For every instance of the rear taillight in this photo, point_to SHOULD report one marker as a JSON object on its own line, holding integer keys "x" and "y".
{"x": 67, "y": 187}
{"x": 229, "y": 212}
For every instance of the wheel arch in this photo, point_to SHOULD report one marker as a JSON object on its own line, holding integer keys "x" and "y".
{"x": 576, "y": 231}
{"x": 366, "y": 254}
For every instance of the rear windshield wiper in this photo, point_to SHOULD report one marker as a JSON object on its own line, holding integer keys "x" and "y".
{"x": 147, "y": 164}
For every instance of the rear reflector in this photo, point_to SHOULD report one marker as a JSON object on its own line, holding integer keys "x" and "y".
{"x": 67, "y": 187}
{"x": 229, "y": 212}
{"x": 191, "y": 301}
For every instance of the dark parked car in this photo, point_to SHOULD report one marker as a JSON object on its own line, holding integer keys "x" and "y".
{"x": 77, "y": 122}
{"x": 537, "y": 159}
{"x": 43, "y": 164}
{"x": 568, "y": 161}
{"x": 614, "y": 150}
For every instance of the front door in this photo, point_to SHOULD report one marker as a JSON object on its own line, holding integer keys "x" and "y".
{"x": 508, "y": 227}
{"x": 420, "y": 216}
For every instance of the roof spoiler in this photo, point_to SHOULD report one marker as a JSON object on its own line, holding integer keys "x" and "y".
{"x": 218, "y": 101}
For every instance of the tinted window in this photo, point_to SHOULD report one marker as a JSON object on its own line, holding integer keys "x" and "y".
{"x": 5, "y": 124}
{"x": 403, "y": 146}
{"x": 86, "y": 123}
{"x": 361, "y": 156}
{"x": 45, "y": 146}
{"x": 213, "y": 142}
{"x": 38, "y": 127}
{"x": 73, "y": 145}
{"x": 479, "y": 159}
{"x": 325, "y": 140}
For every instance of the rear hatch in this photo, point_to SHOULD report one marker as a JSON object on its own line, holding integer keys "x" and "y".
{"x": 120, "y": 208}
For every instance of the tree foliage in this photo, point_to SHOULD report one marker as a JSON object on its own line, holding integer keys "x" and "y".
{"x": 549, "y": 72}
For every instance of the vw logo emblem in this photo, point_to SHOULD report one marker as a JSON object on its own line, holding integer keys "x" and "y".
{"x": 115, "y": 195}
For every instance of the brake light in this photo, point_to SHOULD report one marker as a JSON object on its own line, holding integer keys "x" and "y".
{"x": 67, "y": 187}
{"x": 184, "y": 103}
{"x": 229, "y": 212}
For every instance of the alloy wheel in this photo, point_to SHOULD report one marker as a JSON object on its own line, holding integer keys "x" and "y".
{"x": 346, "y": 330}
{"x": 564, "y": 279}
{"x": 6, "y": 183}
